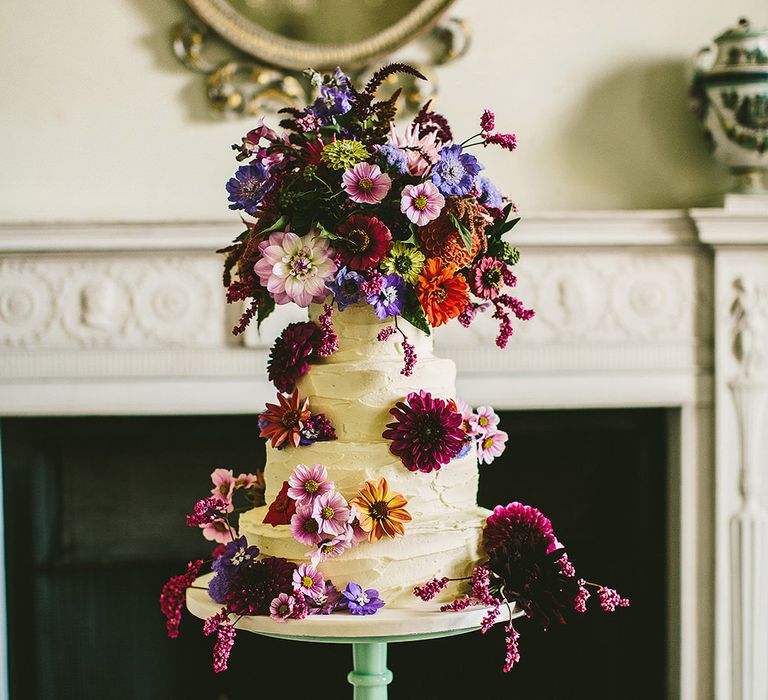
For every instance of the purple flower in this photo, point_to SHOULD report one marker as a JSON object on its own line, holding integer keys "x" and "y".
{"x": 455, "y": 171}
{"x": 317, "y": 429}
{"x": 331, "y": 511}
{"x": 248, "y": 187}
{"x": 289, "y": 358}
{"x": 304, "y": 528}
{"x": 281, "y": 608}
{"x": 308, "y": 580}
{"x": 237, "y": 554}
{"x": 306, "y": 484}
{"x": 218, "y": 587}
{"x": 346, "y": 287}
{"x": 360, "y": 602}
{"x": 426, "y": 433}
{"x": 325, "y": 602}
{"x": 489, "y": 195}
{"x": 396, "y": 158}
{"x": 389, "y": 300}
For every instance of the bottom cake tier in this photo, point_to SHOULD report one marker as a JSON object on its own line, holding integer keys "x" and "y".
{"x": 448, "y": 546}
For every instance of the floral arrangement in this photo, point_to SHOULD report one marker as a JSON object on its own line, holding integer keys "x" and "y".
{"x": 526, "y": 566}
{"x": 346, "y": 207}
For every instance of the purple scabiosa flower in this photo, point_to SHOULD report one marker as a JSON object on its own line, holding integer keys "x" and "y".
{"x": 306, "y": 484}
{"x": 325, "y": 602}
{"x": 345, "y": 287}
{"x": 359, "y": 601}
{"x": 365, "y": 183}
{"x": 421, "y": 203}
{"x": 218, "y": 587}
{"x": 331, "y": 511}
{"x": 308, "y": 580}
{"x": 281, "y": 608}
{"x": 248, "y": 187}
{"x": 426, "y": 433}
{"x": 389, "y": 300}
{"x": 455, "y": 171}
{"x": 395, "y": 157}
{"x": 237, "y": 554}
{"x": 317, "y": 429}
{"x": 489, "y": 195}
{"x": 304, "y": 527}
{"x": 484, "y": 420}
{"x": 491, "y": 445}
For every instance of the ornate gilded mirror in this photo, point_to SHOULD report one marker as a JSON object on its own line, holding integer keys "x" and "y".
{"x": 279, "y": 40}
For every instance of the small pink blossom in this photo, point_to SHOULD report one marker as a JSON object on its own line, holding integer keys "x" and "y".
{"x": 223, "y": 486}
{"x": 330, "y": 548}
{"x": 512, "y": 655}
{"x": 430, "y": 589}
{"x": 491, "y": 445}
{"x": 484, "y": 420}
{"x": 487, "y": 120}
{"x": 281, "y": 608}
{"x": 308, "y": 580}
{"x": 580, "y": 602}
{"x": 610, "y": 599}
{"x": 331, "y": 511}
{"x": 206, "y": 511}
{"x": 421, "y": 203}
{"x": 304, "y": 528}
{"x": 366, "y": 184}
{"x": 218, "y": 531}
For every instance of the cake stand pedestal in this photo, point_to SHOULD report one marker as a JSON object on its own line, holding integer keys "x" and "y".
{"x": 367, "y": 634}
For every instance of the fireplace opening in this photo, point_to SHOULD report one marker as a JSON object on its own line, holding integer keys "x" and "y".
{"x": 94, "y": 526}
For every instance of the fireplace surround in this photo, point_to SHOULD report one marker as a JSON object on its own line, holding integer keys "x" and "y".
{"x": 636, "y": 309}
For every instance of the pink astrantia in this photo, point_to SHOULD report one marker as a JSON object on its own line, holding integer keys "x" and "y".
{"x": 491, "y": 445}
{"x": 308, "y": 580}
{"x": 295, "y": 268}
{"x": 421, "y": 203}
{"x": 331, "y": 511}
{"x": 484, "y": 421}
{"x": 281, "y": 608}
{"x": 306, "y": 483}
{"x": 304, "y": 528}
{"x": 366, "y": 184}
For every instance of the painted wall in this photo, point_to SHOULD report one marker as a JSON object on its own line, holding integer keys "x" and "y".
{"x": 99, "y": 122}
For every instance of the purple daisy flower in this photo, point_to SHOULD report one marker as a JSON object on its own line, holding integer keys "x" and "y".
{"x": 360, "y": 602}
{"x": 426, "y": 433}
{"x": 237, "y": 554}
{"x": 281, "y": 608}
{"x": 325, "y": 602}
{"x": 455, "y": 171}
{"x": 389, "y": 299}
{"x": 304, "y": 528}
{"x": 306, "y": 483}
{"x": 308, "y": 580}
{"x": 331, "y": 511}
{"x": 248, "y": 187}
{"x": 345, "y": 287}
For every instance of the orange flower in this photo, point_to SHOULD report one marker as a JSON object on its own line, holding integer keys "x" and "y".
{"x": 443, "y": 293}
{"x": 440, "y": 239}
{"x": 283, "y": 423}
{"x": 381, "y": 512}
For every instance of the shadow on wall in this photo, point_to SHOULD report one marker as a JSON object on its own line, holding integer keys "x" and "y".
{"x": 634, "y": 138}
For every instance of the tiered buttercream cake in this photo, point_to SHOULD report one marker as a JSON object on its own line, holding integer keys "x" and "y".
{"x": 356, "y": 387}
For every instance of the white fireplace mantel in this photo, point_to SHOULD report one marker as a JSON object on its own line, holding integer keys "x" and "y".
{"x": 634, "y": 308}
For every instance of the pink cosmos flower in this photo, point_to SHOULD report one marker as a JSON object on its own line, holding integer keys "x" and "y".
{"x": 331, "y": 511}
{"x": 295, "y": 268}
{"x": 366, "y": 184}
{"x": 223, "y": 486}
{"x": 484, "y": 421}
{"x": 308, "y": 580}
{"x": 421, "y": 203}
{"x": 421, "y": 150}
{"x": 281, "y": 608}
{"x": 218, "y": 531}
{"x": 330, "y": 548}
{"x": 467, "y": 414}
{"x": 491, "y": 445}
{"x": 304, "y": 528}
{"x": 305, "y": 483}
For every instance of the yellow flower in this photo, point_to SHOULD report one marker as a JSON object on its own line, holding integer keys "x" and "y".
{"x": 381, "y": 512}
{"x": 405, "y": 260}
{"x": 340, "y": 155}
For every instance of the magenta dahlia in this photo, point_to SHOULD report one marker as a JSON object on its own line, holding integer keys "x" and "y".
{"x": 254, "y": 588}
{"x": 289, "y": 358}
{"x": 426, "y": 433}
{"x": 524, "y": 556}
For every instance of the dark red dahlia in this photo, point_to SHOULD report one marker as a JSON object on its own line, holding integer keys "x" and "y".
{"x": 292, "y": 352}
{"x": 256, "y": 586}
{"x": 363, "y": 241}
{"x": 426, "y": 433}
{"x": 524, "y": 554}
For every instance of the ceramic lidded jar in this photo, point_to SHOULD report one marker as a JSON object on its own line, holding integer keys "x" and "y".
{"x": 730, "y": 92}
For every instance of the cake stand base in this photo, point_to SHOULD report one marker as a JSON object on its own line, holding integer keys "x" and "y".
{"x": 367, "y": 634}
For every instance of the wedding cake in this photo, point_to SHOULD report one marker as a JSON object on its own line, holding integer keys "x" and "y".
{"x": 356, "y": 387}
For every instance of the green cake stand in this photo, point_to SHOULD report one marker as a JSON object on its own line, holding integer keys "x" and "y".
{"x": 368, "y": 635}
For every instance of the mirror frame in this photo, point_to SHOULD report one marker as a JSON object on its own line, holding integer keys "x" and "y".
{"x": 299, "y": 55}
